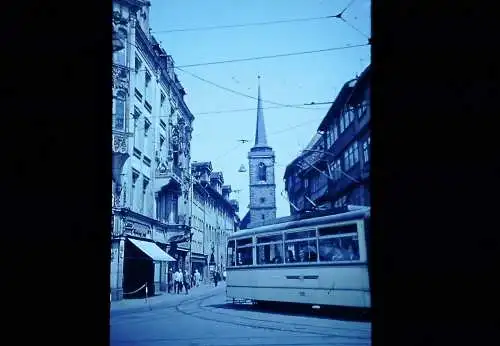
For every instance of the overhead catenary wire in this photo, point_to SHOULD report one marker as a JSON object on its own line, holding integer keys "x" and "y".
{"x": 270, "y": 107}
{"x": 217, "y": 27}
{"x": 239, "y": 93}
{"x": 275, "y": 55}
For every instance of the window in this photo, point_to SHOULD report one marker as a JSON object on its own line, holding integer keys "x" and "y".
{"x": 138, "y": 65}
{"x": 339, "y": 243}
{"x": 145, "y": 183}
{"x": 244, "y": 252}
{"x": 335, "y": 166}
{"x": 162, "y": 101}
{"x": 356, "y": 153}
{"x": 346, "y": 119}
{"x": 365, "y": 150}
{"x": 120, "y": 56}
{"x": 270, "y": 249}
{"x": 350, "y": 112}
{"x": 301, "y": 246}
{"x": 147, "y": 125}
{"x": 135, "y": 176}
{"x": 335, "y": 133}
{"x": 262, "y": 200}
{"x": 230, "y": 253}
{"x": 262, "y": 171}
{"x": 346, "y": 160}
{"x": 147, "y": 85}
{"x": 351, "y": 156}
{"x": 119, "y": 118}
{"x": 363, "y": 108}
{"x": 341, "y": 124}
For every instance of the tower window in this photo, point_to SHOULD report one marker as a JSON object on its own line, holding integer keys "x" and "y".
{"x": 263, "y": 217}
{"x": 262, "y": 171}
{"x": 262, "y": 200}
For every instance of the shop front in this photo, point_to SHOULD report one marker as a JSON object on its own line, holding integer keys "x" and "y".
{"x": 199, "y": 262}
{"x": 143, "y": 266}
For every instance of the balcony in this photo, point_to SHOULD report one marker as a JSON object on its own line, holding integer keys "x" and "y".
{"x": 168, "y": 174}
{"x": 120, "y": 77}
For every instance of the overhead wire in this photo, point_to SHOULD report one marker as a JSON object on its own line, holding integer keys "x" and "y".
{"x": 274, "y": 56}
{"x": 270, "y": 107}
{"x": 216, "y": 27}
{"x": 240, "y": 93}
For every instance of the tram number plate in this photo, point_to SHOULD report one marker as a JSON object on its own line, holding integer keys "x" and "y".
{"x": 302, "y": 294}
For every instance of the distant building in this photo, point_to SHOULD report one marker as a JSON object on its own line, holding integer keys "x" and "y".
{"x": 151, "y": 132}
{"x": 261, "y": 175}
{"x": 334, "y": 170}
{"x": 213, "y": 219}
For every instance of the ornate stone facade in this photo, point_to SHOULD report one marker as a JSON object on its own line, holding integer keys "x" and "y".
{"x": 150, "y": 141}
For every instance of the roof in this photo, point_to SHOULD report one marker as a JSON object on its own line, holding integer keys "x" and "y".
{"x": 198, "y": 166}
{"x": 245, "y": 221}
{"x": 260, "y": 131}
{"x": 356, "y": 214}
{"x": 217, "y": 175}
{"x": 337, "y": 105}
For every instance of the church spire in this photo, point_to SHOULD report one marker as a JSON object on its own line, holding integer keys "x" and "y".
{"x": 260, "y": 132}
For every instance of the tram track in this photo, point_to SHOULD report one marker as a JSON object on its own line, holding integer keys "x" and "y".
{"x": 196, "y": 308}
{"x": 299, "y": 328}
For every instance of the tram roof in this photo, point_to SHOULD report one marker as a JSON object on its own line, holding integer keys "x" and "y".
{"x": 357, "y": 213}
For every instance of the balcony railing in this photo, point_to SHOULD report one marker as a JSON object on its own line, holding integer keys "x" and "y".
{"x": 165, "y": 175}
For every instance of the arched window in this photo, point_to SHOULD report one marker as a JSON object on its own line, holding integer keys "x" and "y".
{"x": 262, "y": 171}
{"x": 120, "y": 57}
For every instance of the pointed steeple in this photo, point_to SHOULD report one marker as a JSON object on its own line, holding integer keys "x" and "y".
{"x": 260, "y": 132}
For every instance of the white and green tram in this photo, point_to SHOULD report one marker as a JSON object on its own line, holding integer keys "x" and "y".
{"x": 319, "y": 261}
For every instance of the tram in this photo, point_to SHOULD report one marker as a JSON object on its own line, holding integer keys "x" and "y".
{"x": 318, "y": 260}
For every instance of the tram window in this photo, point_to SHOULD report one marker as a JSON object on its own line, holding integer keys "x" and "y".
{"x": 352, "y": 228}
{"x": 244, "y": 256}
{"x": 230, "y": 253}
{"x": 300, "y": 235}
{"x": 301, "y": 251}
{"x": 270, "y": 239}
{"x": 270, "y": 253}
{"x": 339, "y": 249}
{"x": 241, "y": 242}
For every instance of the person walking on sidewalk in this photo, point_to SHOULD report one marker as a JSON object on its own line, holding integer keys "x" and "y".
{"x": 186, "y": 281}
{"x": 216, "y": 278}
{"x": 170, "y": 280}
{"x": 197, "y": 278}
{"x": 178, "y": 281}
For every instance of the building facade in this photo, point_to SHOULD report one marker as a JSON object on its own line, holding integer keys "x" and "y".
{"x": 334, "y": 170}
{"x": 213, "y": 219}
{"x": 261, "y": 161}
{"x": 152, "y": 129}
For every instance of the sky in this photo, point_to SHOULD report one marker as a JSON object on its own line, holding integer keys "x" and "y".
{"x": 289, "y": 80}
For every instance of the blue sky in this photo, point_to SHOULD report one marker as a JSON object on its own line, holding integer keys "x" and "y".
{"x": 288, "y": 80}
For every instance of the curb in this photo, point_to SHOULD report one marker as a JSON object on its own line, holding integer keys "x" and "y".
{"x": 164, "y": 299}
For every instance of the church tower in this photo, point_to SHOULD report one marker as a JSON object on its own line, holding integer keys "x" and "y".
{"x": 261, "y": 173}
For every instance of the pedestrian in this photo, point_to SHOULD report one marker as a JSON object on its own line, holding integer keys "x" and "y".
{"x": 169, "y": 280}
{"x": 186, "y": 281}
{"x": 178, "y": 281}
{"x": 197, "y": 278}
{"x": 216, "y": 278}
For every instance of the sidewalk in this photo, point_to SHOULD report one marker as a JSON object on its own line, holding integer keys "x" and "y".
{"x": 165, "y": 298}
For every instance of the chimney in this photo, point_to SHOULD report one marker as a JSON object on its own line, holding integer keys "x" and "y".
{"x": 226, "y": 191}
